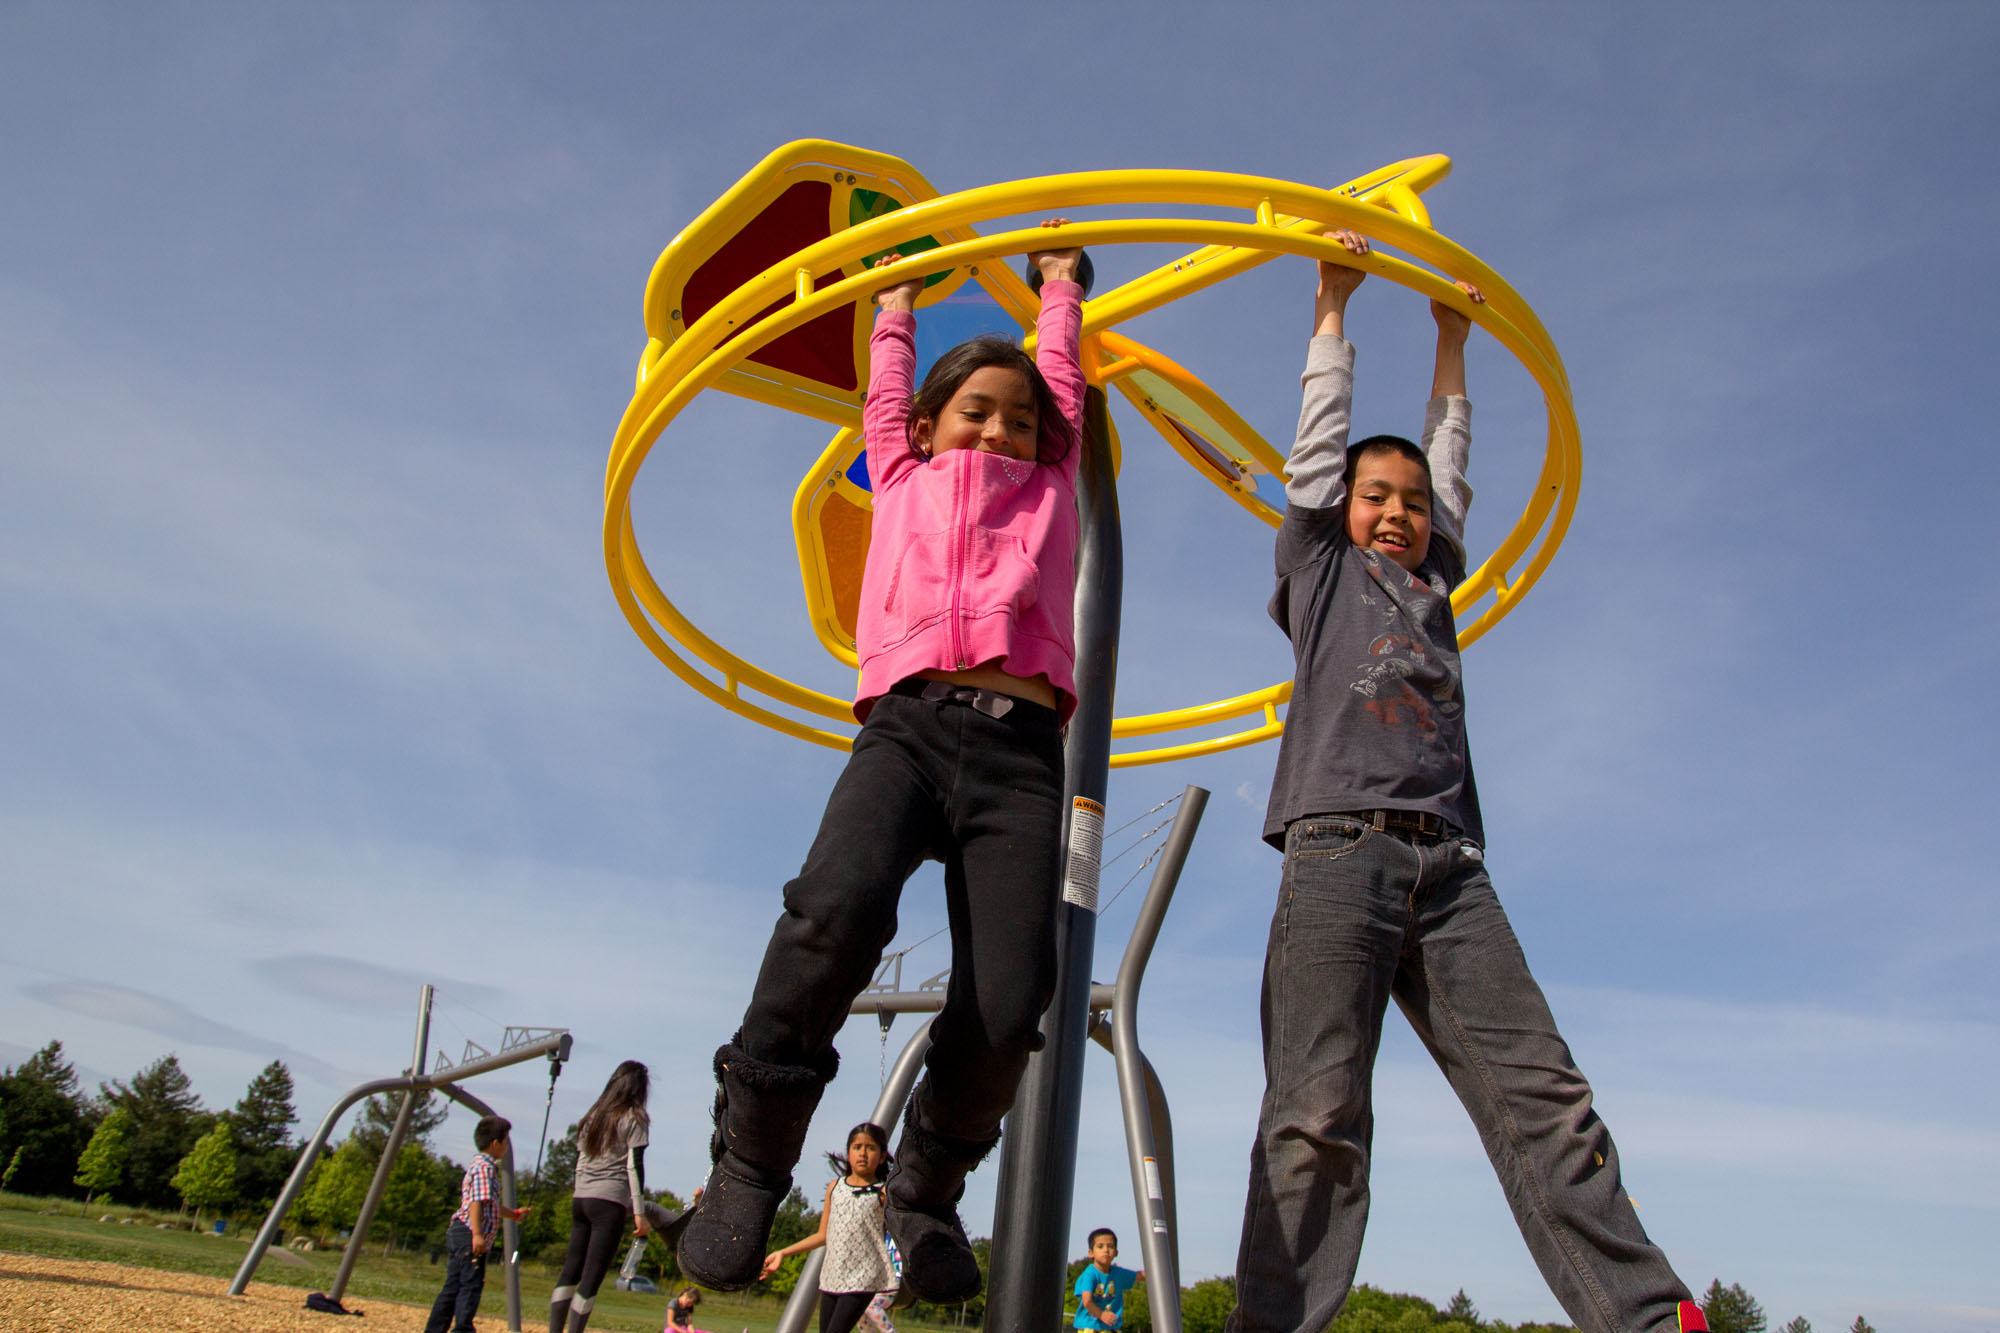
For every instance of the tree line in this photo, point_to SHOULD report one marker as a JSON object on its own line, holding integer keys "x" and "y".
{"x": 149, "y": 1143}
{"x": 1731, "y": 1309}
{"x": 146, "y": 1143}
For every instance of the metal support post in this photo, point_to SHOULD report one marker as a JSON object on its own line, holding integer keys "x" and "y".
{"x": 1038, "y": 1152}
{"x": 1162, "y": 1122}
{"x": 510, "y": 1237}
{"x": 376, "y": 1187}
{"x": 1156, "y": 1236}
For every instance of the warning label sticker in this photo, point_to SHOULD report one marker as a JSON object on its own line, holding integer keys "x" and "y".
{"x": 1086, "y": 847}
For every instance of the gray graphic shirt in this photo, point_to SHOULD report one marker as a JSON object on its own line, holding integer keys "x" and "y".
{"x": 1377, "y": 718}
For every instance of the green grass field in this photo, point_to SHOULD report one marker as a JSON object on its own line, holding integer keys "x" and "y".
{"x": 73, "y": 1232}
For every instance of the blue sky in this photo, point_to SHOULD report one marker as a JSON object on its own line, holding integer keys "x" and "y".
{"x": 314, "y": 328}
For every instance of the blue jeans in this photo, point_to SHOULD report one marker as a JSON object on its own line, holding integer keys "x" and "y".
{"x": 1362, "y": 916}
{"x": 464, "y": 1282}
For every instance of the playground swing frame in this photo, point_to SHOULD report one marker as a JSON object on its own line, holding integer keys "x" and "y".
{"x": 554, "y": 1043}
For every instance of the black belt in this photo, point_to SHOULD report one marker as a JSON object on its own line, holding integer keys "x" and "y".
{"x": 1403, "y": 821}
{"x": 990, "y": 702}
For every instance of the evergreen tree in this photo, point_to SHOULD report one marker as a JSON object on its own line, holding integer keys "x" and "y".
{"x": 1799, "y": 1325}
{"x": 1462, "y": 1309}
{"x": 101, "y": 1168}
{"x": 1731, "y": 1309}
{"x": 378, "y": 1118}
{"x": 44, "y": 1123}
{"x": 1860, "y": 1325}
{"x": 167, "y": 1121}
{"x": 260, "y": 1126}
{"x": 558, "y": 1173}
{"x": 206, "y": 1177}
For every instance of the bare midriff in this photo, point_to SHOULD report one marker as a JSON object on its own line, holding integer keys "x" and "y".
{"x": 989, "y": 676}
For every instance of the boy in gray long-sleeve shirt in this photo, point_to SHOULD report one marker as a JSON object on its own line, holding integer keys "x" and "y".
{"x": 1384, "y": 890}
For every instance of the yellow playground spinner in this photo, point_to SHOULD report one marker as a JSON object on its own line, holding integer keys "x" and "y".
{"x": 768, "y": 293}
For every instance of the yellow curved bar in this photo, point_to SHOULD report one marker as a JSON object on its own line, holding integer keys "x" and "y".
{"x": 672, "y": 373}
{"x": 835, "y": 707}
{"x": 831, "y": 707}
{"x": 1240, "y": 487}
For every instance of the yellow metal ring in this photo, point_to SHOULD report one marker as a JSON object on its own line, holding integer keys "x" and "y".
{"x": 1285, "y": 218}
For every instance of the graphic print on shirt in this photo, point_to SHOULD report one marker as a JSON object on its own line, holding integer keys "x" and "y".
{"x": 1406, "y": 686}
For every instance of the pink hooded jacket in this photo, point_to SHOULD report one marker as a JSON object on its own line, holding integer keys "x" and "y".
{"x": 972, "y": 556}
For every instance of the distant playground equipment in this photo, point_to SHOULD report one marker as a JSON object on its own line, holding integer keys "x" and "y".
{"x": 517, "y": 1044}
{"x": 768, "y": 295}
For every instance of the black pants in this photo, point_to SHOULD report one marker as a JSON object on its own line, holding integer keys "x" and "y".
{"x": 595, "y": 1227}
{"x": 464, "y": 1283}
{"x": 981, "y": 794}
{"x": 840, "y": 1311}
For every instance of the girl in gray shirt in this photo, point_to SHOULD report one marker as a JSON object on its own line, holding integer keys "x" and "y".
{"x": 610, "y": 1186}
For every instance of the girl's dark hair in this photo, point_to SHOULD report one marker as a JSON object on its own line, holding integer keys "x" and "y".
{"x": 624, "y": 1097}
{"x": 949, "y": 372}
{"x": 690, "y": 1291}
{"x": 1383, "y": 444}
{"x": 838, "y": 1160}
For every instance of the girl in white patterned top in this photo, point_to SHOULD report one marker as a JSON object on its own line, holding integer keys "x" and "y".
{"x": 851, "y": 1227}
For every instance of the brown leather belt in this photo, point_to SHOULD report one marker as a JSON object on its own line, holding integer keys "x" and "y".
{"x": 1403, "y": 821}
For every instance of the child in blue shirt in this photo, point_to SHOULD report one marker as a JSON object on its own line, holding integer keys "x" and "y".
{"x": 1101, "y": 1286}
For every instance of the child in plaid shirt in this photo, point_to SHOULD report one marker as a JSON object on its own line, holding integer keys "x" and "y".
{"x": 472, "y": 1229}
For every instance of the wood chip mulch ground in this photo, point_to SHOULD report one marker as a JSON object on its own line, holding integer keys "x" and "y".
{"x": 40, "y": 1295}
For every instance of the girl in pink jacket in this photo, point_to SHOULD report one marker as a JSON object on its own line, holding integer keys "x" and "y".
{"x": 967, "y": 661}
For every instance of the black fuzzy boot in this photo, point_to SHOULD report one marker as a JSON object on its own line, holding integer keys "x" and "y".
{"x": 920, "y": 1206}
{"x": 761, "y": 1115}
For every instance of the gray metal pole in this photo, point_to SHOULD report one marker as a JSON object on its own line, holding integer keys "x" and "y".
{"x": 373, "y": 1199}
{"x": 1163, "y": 1126}
{"x": 1038, "y": 1153}
{"x": 1156, "y": 1236}
{"x": 798, "y": 1309}
{"x": 510, "y": 1236}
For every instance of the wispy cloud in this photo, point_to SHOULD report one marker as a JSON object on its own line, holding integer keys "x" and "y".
{"x": 171, "y": 1019}
{"x": 352, "y": 983}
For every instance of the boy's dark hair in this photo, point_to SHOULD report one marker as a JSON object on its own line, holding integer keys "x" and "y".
{"x": 1101, "y": 1231}
{"x": 838, "y": 1160}
{"x": 1383, "y": 444}
{"x": 950, "y": 371}
{"x": 490, "y": 1130}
